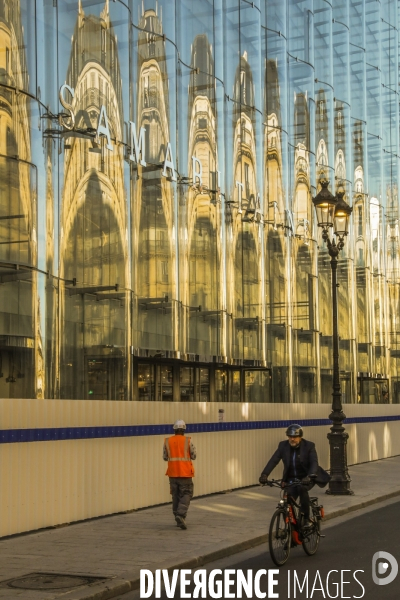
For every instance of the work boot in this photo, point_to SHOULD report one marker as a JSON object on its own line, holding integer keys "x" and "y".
{"x": 180, "y": 521}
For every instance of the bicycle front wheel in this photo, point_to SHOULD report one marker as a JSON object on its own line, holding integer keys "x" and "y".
{"x": 279, "y": 537}
{"x": 311, "y": 538}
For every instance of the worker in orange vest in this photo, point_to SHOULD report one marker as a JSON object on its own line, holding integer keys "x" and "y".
{"x": 179, "y": 452}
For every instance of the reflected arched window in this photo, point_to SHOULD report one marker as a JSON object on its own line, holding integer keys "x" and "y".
{"x": 152, "y": 46}
{"x": 301, "y": 121}
{"x": 360, "y": 220}
{"x": 243, "y": 86}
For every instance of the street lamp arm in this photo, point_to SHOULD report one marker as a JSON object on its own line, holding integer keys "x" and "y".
{"x": 333, "y": 248}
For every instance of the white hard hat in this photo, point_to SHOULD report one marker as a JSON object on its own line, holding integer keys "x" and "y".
{"x": 179, "y": 424}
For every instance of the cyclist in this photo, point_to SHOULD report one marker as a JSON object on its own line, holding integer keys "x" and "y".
{"x": 300, "y": 463}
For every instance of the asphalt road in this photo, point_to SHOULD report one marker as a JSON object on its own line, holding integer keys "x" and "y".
{"x": 347, "y": 551}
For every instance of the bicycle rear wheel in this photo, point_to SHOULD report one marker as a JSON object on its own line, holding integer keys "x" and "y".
{"x": 279, "y": 537}
{"x": 311, "y": 537}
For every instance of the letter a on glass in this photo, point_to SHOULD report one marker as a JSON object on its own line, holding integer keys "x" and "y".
{"x": 104, "y": 129}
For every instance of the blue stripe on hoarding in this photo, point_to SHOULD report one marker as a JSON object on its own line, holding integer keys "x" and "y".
{"x": 10, "y": 436}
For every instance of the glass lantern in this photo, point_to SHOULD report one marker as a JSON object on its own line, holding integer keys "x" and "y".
{"x": 325, "y": 205}
{"x": 342, "y": 217}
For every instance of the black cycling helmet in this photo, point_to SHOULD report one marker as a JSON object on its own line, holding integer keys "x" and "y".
{"x": 294, "y": 430}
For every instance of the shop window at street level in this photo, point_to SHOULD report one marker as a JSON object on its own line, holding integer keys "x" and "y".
{"x": 165, "y": 383}
{"x": 234, "y": 386}
{"x": 257, "y": 386}
{"x": 146, "y": 382}
{"x": 204, "y": 384}
{"x": 221, "y": 385}
{"x": 187, "y": 384}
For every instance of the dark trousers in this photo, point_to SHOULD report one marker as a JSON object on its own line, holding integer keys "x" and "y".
{"x": 296, "y": 490}
{"x": 182, "y": 493}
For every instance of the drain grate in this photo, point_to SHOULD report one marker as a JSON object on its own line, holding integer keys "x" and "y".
{"x": 50, "y": 581}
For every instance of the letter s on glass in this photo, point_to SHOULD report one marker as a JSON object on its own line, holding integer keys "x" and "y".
{"x": 62, "y": 118}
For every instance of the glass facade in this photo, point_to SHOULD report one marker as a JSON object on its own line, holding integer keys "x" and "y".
{"x": 158, "y": 161}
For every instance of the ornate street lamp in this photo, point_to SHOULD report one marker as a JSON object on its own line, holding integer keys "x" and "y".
{"x": 335, "y": 212}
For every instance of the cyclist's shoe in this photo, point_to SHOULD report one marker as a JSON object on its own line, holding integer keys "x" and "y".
{"x": 305, "y": 522}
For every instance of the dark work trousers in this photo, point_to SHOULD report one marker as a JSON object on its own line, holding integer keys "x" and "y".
{"x": 182, "y": 493}
{"x": 296, "y": 490}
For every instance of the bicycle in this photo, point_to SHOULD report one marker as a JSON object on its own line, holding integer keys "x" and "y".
{"x": 286, "y": 529}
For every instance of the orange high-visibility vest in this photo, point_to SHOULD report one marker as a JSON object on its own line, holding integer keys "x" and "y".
{"x": 179, "y": 462}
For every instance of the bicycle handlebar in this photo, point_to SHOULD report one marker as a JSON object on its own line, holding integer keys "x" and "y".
{"x": 273, "y": 482}
{"x": 278, "y": 482}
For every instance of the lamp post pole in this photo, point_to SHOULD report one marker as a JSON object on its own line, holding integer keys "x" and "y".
{"x": 340, "y": 482}
{"x": 333, "y": 211}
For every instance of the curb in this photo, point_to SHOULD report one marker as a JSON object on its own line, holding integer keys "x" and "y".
{"x": 122, "y": 585}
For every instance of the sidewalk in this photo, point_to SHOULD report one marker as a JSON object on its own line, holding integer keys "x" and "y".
{"x": 117, "y": 547}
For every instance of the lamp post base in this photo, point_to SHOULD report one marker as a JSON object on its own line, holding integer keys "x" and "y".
{"x": 339, "y": 485}
{"x": 339, "y": 489}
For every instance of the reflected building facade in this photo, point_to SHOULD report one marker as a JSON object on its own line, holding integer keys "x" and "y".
{"x": 157, "y": 234}
{"x": 93, "y": 251}
{"x": 21, "y": 344}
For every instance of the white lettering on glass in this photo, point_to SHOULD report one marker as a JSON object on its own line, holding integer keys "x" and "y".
{"x": 104, "y": 129}
{"x": 62, "y": 119}
{"x": 169, "y": 163}
{"x": 138, "y": 147}
{"x": 138, "y": 155}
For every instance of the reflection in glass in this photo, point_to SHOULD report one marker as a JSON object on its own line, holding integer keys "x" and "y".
{"x": 93, "y": 244}
{"x": 153, "y": 208}
{"x": 194, "y": 384}
{"x": 21, "y": 343}
{"x": 257, "y": 386}
{"x": 304, "y": 274}
{"x": 234, "y": 386}
{"x": 221, "y": 385}
{"x": 165, "y": 383}
{"x": 276, "y": 264}
{"x": 187, "y": 384}
{"x": 245, "y": 241}
{"x": 111, "y": 269}
{"x": 204, "y": 384}
{"x": 203, "y": 207}
{"x": 146, "y": 381}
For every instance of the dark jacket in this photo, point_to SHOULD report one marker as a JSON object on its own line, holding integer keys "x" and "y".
{"x": 308, "y": 459}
